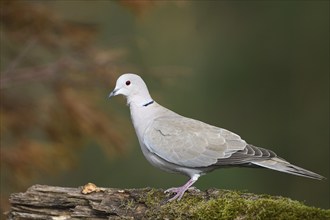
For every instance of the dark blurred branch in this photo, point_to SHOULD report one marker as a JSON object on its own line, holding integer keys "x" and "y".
{"x": 50, "y": 202}
{"x": 29, "y": 45}
{"x": 26, "y": 75}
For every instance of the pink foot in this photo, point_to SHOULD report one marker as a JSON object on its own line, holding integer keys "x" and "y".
{"x": 179, "y": 191}
{"x": 172, "y": 190}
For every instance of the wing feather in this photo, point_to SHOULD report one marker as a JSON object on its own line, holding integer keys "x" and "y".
{"x": 190, "y": 143}
{"x": 247, "y": 156}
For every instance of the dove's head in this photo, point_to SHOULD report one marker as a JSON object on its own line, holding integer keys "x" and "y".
{"x": 133, "y": 87}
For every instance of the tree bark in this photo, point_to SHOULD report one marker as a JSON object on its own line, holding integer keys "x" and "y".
{"x": 92, "y": 202}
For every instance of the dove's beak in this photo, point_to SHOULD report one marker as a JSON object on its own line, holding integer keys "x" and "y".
{"x": 113, "y": 93}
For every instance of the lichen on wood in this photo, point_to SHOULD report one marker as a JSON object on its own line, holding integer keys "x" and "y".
{"x": 52, "y": 202}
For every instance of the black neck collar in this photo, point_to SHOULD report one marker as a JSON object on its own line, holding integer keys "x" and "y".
{"x": 149, "y": 103}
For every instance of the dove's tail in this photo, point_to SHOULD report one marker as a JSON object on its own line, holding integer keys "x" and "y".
{"x": 284, "y": 166}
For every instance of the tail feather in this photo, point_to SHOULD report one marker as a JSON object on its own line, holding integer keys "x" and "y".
{"x": 284, "y": 166}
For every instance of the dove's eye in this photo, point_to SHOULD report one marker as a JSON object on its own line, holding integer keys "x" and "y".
{"x": 128, "y": 83}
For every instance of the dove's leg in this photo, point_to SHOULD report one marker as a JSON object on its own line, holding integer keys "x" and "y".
{"x": 181, "y": 190}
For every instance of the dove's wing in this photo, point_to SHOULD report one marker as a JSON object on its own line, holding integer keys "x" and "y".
{"x": 190, "y": 143}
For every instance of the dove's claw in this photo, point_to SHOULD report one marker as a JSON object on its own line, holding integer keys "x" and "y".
{"x": 179, "y": 191}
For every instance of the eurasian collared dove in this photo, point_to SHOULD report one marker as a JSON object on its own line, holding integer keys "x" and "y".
{"x": 183, "y": 145}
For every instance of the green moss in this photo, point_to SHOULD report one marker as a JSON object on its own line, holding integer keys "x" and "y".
{"x": 237, "y": 207}
{"x": 224, "y": 204}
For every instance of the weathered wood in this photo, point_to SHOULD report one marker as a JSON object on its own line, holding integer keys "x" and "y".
{"x": 51, "y": 202}
{"x": 43, "y": 202}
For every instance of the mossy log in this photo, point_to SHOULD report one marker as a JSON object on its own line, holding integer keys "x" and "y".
{"x": 52, "y": 202}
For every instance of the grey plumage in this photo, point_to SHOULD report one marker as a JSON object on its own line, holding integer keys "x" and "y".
{"x": 183, "y": 145}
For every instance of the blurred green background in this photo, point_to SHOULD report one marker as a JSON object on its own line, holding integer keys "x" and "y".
{"x": 257, "y": 68}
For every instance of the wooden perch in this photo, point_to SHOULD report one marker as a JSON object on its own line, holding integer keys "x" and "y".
{"x": 52, "y": 202}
